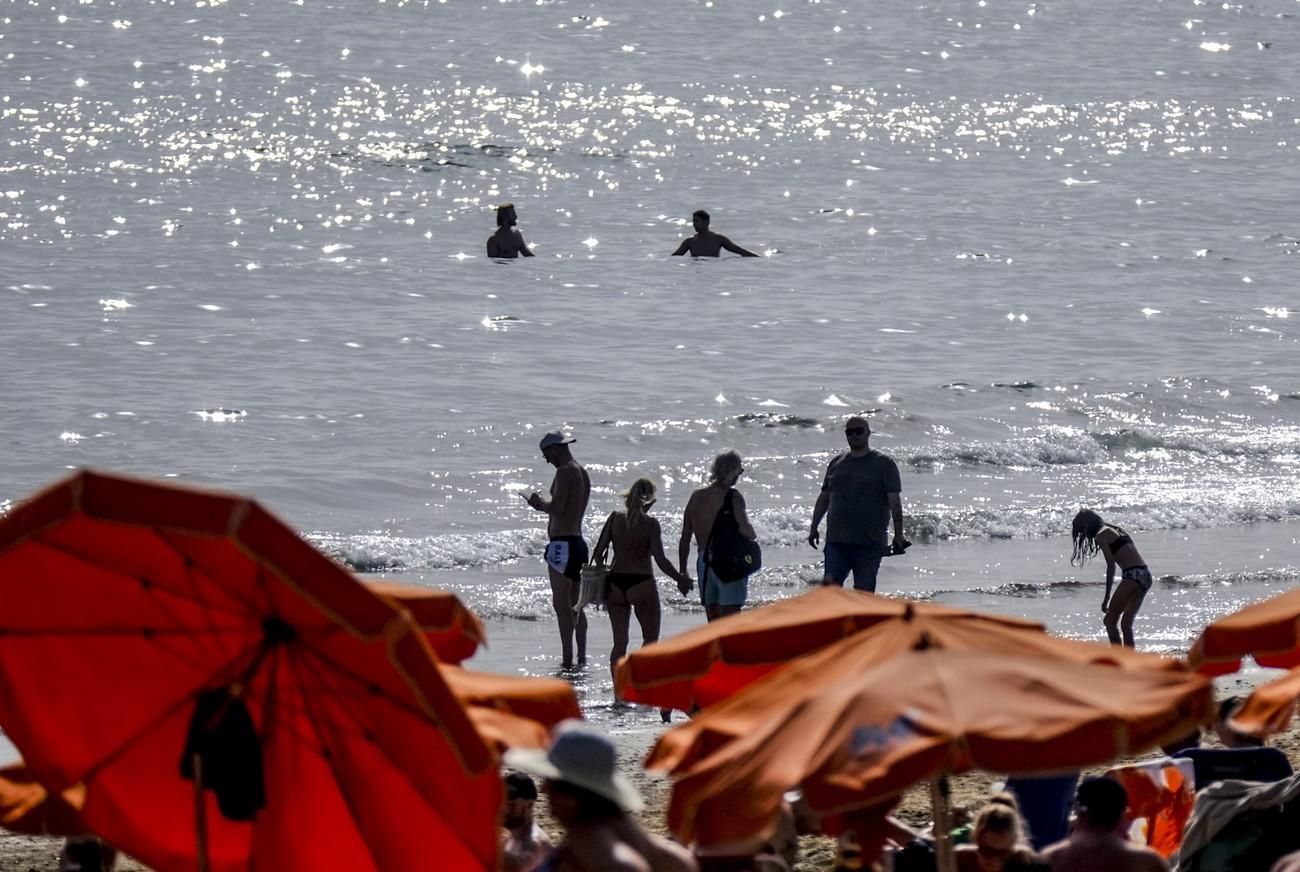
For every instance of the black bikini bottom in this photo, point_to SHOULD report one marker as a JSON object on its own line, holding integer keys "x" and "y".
{"x": 626, "y": 580}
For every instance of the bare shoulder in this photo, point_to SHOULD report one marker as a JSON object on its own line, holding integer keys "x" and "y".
{"x": 1145, "y": 859}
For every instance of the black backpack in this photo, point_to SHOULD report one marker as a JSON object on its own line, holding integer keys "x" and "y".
{"x": 728, "y": 554}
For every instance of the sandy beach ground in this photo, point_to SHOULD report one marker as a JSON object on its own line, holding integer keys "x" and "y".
{"x": 35, "y": 854}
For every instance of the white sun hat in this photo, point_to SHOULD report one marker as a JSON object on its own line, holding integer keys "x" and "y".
{"x": 582, "y": 756}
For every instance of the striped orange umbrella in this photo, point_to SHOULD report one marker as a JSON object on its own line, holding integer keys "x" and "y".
{"x": 709, "y": 663}
{"x": 452, "y": 630}
{"x": 1269, "y": 708}
{"x": 26, "y": 807}
{"x": 513, "y": 711}
{"x": 1268, "y": 631}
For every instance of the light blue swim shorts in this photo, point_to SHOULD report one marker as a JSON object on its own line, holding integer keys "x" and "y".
{"x": 717, "y": 592}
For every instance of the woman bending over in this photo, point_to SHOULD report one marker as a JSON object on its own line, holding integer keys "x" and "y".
{"x": 1092, "y": 534}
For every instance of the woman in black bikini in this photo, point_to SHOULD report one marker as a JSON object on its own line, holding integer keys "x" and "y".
{"x": 636, "y": 539}
{"x": 1092, "y": 534}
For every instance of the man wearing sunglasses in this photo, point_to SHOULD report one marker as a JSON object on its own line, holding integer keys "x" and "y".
{"x": 861, "y": 492}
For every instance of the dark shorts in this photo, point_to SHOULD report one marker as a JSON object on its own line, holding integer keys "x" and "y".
{"x": 1139, "y": 575}
{"x": 567, "y": 555}
{"x": 862, "y": 560}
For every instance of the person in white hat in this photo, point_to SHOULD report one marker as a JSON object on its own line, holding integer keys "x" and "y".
{"x": 566, "y": 551}
{"x": 595, "y": 803}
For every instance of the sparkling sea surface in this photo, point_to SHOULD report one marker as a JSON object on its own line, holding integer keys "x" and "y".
{"x": 1051, "y": 248}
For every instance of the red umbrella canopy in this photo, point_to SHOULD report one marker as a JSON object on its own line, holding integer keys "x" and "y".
{"x": 143, "y": 623}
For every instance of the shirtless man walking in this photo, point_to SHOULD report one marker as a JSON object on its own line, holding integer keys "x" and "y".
{"x": 706, "y": 243}
{"x": 567, "y": 550}
{"x": 720, "y": 597}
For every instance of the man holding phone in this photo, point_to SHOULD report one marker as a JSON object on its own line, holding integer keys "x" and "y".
{"x": 566, "y": 552}
{"x": 861, "y": 492}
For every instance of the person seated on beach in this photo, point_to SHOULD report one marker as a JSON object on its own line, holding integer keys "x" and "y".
{"x": 1097, "y": 841}
{"x": 706, "y": 243}
{"x": 507, "y": 242}
{"x": 526, "y": 844}
{"x": 636, "y": 538}
{"x": 997, "y": 835}
{"x": 1091, "y": 534}
{"x": 596, "y": 805}
{"x": 1243, "y": 757}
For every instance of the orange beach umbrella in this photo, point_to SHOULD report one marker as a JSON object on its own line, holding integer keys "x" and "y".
{"x": 783, "y": 690}
{"x": 925, "y": 714}
{"x": 513, "y": 711}
{"x": 1269, "y": 708}
{"x": 452, "y": 630}
{"x": 26, "y": 807}
{"x": 1269, "y": 631}
{"x": 709, "y": 663}
{"x": 220, "y": 691}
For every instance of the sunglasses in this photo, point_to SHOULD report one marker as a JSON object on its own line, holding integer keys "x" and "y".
{"x": 854, "y": 431}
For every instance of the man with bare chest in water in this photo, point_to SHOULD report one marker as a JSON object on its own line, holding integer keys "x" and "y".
{"x": 706, "y": 243}
{"x": 566, "y": 552}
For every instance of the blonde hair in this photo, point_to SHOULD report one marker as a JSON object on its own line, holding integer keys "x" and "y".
{"x": 637, "y": 499}
{"x": 1000, "y": 815}
{"x": 726, "y": 466}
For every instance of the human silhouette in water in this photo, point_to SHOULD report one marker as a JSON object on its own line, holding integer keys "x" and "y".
{"x": 507, "y": 241}
{"x": 706, "y": 243}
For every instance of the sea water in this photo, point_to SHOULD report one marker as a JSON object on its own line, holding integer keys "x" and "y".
{"x": 1050, "y": 249}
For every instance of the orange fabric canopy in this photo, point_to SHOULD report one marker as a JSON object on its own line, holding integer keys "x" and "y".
{"x": 918, "y": 715}
{"x": 709, "y": 663}
{"x": 777, "y": 693}
{"x": 25, "y": 807}
{"x": 452, "y": 630}
{"x": 1269, "y": 708}
{"x": 1269, "y": 631}
{"x": 129, "y": 606}
{"x": 513, "y": 711}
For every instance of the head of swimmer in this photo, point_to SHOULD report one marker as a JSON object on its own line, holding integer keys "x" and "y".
{"x": 700, "y": 220}
{"x": 506, "y": 216}
{"x": 1087, "y": 524}
{"x": 557, "y": 455}
{"x": 726, "y": 469}
{"x": 639, "y": 498}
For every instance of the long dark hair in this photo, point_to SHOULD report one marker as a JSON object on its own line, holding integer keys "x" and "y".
{"x": 1087, "y": 524}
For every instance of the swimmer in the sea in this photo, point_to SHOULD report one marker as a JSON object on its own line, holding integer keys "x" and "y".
{"x": 507, "y": 241}
{"x": 706, "y": 243}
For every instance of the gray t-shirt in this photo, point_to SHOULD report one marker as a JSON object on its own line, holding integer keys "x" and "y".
{"x": 859, "y": 489}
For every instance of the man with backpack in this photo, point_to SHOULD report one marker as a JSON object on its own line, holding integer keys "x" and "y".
{"x": 728, "y": 550}
{"x": 861, "y": 492}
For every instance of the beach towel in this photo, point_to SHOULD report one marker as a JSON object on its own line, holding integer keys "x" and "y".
{"x": 1241, "y": 826}
{"x": 1160, "y": 801}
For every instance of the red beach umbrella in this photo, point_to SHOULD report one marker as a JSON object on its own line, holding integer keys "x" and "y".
{"x": 154, "y": 637}
{"x": 1269, "y": 631}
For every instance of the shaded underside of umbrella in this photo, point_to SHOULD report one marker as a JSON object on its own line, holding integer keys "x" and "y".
{"x": 709, "y": 663}
{"x": 1268, "y": 631}
{"x": 777, "y": 693}
{"x": 927, "y": 713}
{"x": 452, "y": 630}
{"x": 123, "y": 601}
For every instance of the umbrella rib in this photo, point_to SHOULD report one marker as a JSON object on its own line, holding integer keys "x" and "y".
{"x": 365, "y": 685}
{"x": 191, "y": 569}
{"x": 171, "y": 708}
{"x": 190, "y": 562}
{"x": 329, "y": 761}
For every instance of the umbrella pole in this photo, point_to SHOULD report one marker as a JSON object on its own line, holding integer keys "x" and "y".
{"x": 942, "y": 824}
{"x": 200, "y": 815}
